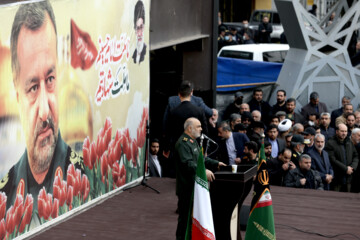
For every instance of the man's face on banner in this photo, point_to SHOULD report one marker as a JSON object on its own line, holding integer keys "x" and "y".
{"x": 36, "y": 92}
{"x": 139, "y": 34}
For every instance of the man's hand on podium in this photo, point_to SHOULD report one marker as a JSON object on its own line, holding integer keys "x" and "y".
{"x": 210, "y": 175}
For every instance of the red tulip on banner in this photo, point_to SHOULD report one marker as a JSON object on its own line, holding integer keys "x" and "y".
{"x": 83, "y": 50}
{"x": 28, "y": 205}
{"x": 3, "y": 199}
{"x": 2, "y": 229}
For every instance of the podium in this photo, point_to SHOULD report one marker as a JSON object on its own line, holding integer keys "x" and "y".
{"x": 227, "y": 190}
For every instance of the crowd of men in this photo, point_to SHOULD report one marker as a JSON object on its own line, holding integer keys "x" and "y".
{"x": 312, "y": 148}
{"x": 231, "y": 36}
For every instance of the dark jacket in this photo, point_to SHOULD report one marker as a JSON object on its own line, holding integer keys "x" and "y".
{"x": 309, "y": 108}
{"x": 262, "y": 106}
{"x": 153, "y": 171}
{"x": 276, "y": 172}
{"x": 328, "y": 133}
{"x": 177, "y": 117}
{"x": 276, "y": 108}
{"x": 292, "y": 179}
{"x": 239, "y": 139}
{"x": 335, "y": 114}
{"x": 280, "y": 142}
{"x": 334, "y": 149}
{"x": 264, "y": 37}
{"x": 298, "y": 118}
{"x": 174, "y": 101}
{"x": 321, "y": 164}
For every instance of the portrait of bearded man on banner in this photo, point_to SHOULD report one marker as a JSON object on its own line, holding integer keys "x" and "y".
{"x": 34, "y": 67}
{"x": 139, "y": 22}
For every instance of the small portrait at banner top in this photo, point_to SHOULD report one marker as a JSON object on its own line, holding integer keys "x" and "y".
{"x": 34, "y": 67}
{"x": 139, "y": 22}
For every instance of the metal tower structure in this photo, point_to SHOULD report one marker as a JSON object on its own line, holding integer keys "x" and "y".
{"x": 318, "y": 59}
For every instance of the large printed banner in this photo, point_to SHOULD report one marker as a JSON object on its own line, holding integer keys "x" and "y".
{"x": 74, "y": 93}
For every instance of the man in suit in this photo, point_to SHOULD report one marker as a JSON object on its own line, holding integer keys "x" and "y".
{"x": 343, "y": 158}
{"x": 277, "y": 144}
{"x": 313, "y": 106}
{"x": 257, "y": 103}
{"x": 325, "y": 128}
{"x": 156, "y": 163}
{"x": 321, "y": 162}
{"x": 175, "y": 101}
{"x": 231, "y": 146}
{"x": 174, "y": 125}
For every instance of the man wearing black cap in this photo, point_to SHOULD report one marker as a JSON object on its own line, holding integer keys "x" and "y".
{"x": 257, "y": 131}
{"x": 240, "y": 128}
{"x": 233, "y": 107}
{"x": 298, "y": 145}
{"x": 309, "y": 136}
{"x": 313, "y": 106}
{"x": 246, "y": 119}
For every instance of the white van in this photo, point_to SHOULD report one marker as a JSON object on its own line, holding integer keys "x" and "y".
{"x": 271, "y": 52}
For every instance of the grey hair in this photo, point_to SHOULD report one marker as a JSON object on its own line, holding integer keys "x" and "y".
{"x": 296, "y": 127}
{"x": 224, "y": 125}
{"x": 355, "y": 131}
{"x": 325, "y": 114}
{"x": 234, "y": 116}
{"x": 304, "y": 156}
{"x": 189, "y": 122}
{"x": 319, "y": 135}
{"x": 256, "y": 111}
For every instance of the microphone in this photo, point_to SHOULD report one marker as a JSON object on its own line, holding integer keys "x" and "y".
{"x": 204, "y": 136}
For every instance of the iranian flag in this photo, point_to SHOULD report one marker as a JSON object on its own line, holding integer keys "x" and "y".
{"x": 261, "y": 220}
{"x": 202, "y": 226}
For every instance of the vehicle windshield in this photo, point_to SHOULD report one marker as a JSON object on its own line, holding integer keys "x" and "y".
{"x": 274, "y": 56}
{"x": 236, "y": 54}
{"x": 258, "y": 16}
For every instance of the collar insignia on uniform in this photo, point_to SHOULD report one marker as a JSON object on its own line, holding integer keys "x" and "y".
{"x": 21, "y": 188}
{"x": 294, "y": 155}
{"x": 192, "y": 141}
{"x": 59, "y": 173}
{"x": 185, "y": 139}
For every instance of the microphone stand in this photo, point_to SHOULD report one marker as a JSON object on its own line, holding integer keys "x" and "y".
{"x": 144, "y": 180}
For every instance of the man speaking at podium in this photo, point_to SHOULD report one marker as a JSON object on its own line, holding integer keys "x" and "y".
{"x": 187, "y": 152}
